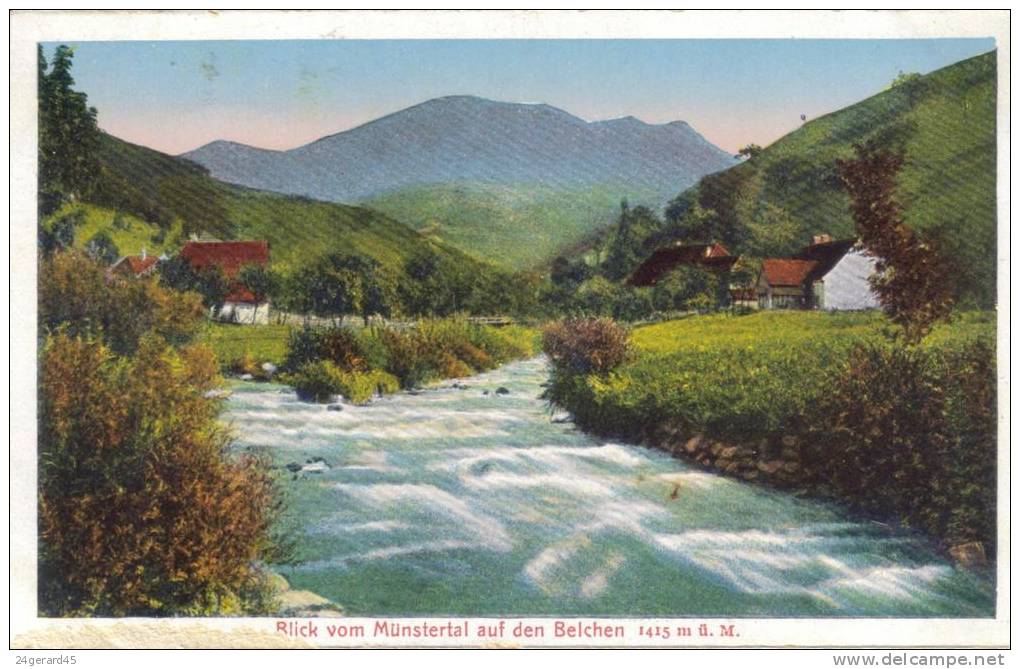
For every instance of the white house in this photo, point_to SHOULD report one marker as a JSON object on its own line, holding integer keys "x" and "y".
{"x": 845, "y": 287}
{"x": 829, "y": 275}
{"x": 240, "y": 306}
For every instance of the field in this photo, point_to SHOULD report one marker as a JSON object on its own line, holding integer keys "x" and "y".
{"x": 745, "y": 375}
{"x": 231, "y": 343}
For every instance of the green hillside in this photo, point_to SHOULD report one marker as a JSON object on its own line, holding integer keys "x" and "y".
{"x": 516, "y": 226}
{"x": 946, "y": 122}
{"x": 166, "y": 199}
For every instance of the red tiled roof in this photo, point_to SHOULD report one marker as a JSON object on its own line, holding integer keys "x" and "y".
{"x": 230, "y": 257}
{"x": 136, "y": 265}
{"x": 784, "y": 272}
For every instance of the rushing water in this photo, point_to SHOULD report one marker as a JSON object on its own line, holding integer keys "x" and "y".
{"x": 456, "y": 502}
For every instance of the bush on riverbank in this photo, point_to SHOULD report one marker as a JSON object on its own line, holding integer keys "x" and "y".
{"x": 910, "y": 434}
{"x": 325, "y": 362}
{"x": 322, "y": 381}
{"x": 141, "y": 509}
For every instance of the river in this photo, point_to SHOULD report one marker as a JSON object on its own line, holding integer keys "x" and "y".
{"x": 452, "y": 501}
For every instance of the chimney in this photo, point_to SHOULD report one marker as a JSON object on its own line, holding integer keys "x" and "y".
{"x": 144, "y": 254}
{"x": 822, "y": 238}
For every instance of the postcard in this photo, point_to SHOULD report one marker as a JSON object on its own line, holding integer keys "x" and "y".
{"x": 523, "y": 329}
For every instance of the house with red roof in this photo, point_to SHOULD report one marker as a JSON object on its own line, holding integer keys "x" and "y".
{"x": 240, "y": 305}
{"x": 827, "y": 274}
{"x": 135, "y": 266}
{"x": 713, "y": 257}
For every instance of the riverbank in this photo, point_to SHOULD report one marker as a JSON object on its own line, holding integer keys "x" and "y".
{"x": 820, "y": 404}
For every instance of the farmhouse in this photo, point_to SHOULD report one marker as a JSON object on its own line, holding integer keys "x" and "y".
{"x": 240, "y": 306}
{"x": 709, "y": 257}
{"x": 135, "y": 266}
{"x": 828, "y": 274}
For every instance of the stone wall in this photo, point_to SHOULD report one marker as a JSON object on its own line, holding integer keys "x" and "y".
{"x": 777, "y": 462}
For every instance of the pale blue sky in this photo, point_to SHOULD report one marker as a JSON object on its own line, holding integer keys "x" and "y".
{"x": 176, "y": 96}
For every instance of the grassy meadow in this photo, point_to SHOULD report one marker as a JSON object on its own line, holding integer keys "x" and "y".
{"x": 232, "y": 343}
{"x": 736, "y": 376}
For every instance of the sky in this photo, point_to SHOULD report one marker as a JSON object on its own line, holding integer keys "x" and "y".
{"x": 177, "y": 96}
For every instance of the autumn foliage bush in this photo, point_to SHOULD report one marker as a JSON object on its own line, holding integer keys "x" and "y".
{"x": 77, "y": 295}
{"x": 910, "y": 432}
{"x": 586, "y": 345}
{"x": 431, "y": 350}
{"x": 142, "y": 508}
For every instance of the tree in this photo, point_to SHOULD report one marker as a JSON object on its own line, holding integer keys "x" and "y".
{"x": 687, "y": 220}
{"x": 209, "y": 282}
{"x": 336, "y": 286}
{"x": 378, "y": 291}
{"x": 597, "y": 297}
{"x": 912, "y": 270}
{"x": 68, "y": 134}
{"x": 773, "y": 231}
{"x": 102, "y": 247}
{"x": 565, "y": 272}
{"x": 57, "y": 234}
{"x": 912, "y": 84}
{"x": 627, "y": 249}
{"x": 749, "y": 151}
{"x": 260, "y": 281}
{"x": 686, "y": 288}
{"x": 436, "y": 286}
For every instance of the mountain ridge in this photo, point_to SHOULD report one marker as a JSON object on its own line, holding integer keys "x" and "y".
{"x": 464, "y": 138}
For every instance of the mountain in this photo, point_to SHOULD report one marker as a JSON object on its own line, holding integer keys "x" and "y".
{"x": 159, "y": 197}
{"x": 409, "y": 162}
{"x": 945, "y": 122}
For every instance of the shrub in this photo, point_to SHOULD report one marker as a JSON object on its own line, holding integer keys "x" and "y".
{"x": 341, "y": 347}
{"x": 318, "y": 381}
{"x": 141, "y": 512}
{"x": 434, "y": 349}
{"x": 362, "y": 386}
{"x": 77, "y": 296}
{"x": 373, "y": 349}
{"x": 322, "y": 380}
{"x": 910, "y": 431}
{"x": 510, "y": 342}
{"x": 244, "y": 364}
{"x": 406, "y": 355}
{"x": 586, "y": 345}
{"x": 302, "y": 348}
